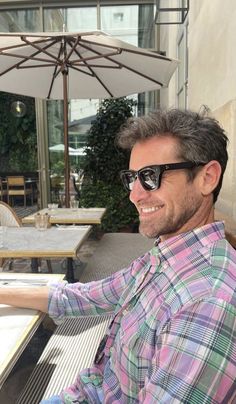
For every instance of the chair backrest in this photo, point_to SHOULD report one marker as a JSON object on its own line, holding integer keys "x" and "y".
{"x": 8, "y": 217}
{"x": 16, "y": 181}
{"x": 3, "y": 191}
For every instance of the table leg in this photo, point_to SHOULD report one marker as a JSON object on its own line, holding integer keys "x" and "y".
{"x": 34, "y": 265}
{"x": 70, "y": 271}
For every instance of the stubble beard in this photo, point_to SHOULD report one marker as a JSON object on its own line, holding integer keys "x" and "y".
{"x": 170, "y": 225}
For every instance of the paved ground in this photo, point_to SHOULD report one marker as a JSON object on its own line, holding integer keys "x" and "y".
{"x": 20, "y": 374}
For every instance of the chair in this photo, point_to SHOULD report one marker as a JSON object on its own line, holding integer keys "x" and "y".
{"x": 3, "y": 190}
{"x": 9, "y": 218}
{"x": 16, "y": 186}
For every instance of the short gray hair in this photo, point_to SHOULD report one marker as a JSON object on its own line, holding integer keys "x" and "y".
{"x": 200, "y": 137}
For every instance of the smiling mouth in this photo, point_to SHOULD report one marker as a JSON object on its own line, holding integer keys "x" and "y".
{"x": 150, "y": 209}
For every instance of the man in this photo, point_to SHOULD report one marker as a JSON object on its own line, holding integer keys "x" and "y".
{"x": 172, "y": 337}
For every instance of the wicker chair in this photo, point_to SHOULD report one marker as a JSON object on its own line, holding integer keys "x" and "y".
{"x": 8, "y": 217}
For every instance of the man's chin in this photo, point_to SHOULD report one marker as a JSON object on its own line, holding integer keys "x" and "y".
{"x": 147, "y": 231}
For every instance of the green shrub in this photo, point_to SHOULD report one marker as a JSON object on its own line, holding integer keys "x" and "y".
{"x": 102, "y": 186}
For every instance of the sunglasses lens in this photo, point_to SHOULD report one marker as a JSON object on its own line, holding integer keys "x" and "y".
{"x": 149, "y": 178}
{"x": 128, "y": 179}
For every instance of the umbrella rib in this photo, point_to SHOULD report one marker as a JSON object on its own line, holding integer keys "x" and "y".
{"x": 58, "y": 69}
{"x": 94, "y": 74}
{"x": 122, "y": 65}
{"x": 72, "y": 49}
{"x": 43, "y": 50}
{"x": 22, "y": 45}
{"x": 55, "y": 73}
{"x": 155, "y": 56}
{"x": 99, "y": 56}
{"x": 79, "y": 67}
{"x": 25, "y": 59}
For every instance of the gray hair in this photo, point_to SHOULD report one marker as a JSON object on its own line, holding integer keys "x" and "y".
{"x": 200, "y": 137}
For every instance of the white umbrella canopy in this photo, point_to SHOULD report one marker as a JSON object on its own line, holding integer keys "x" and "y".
{"x": 56, "y": 65}
{"x": 80, "y": 151}
{"x": 60, "y": 148}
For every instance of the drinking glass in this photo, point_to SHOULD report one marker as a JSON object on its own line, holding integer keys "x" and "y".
{"x": 41, "y": 221}
{"x": 74, "y": 204}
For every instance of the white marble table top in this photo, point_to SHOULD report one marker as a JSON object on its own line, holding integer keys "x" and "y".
{"x": 18, "y": 325}
{"x": 29, "y": 242}
{"x": 70, "y": 216}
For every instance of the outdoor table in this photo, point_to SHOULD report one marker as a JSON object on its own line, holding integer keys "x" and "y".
{"x": 70, "y": 216}
{"x": 55, "y": 242}
{"x": 17, "y": 325}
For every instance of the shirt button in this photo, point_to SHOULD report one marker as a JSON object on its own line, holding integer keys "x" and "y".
{"x": 142, "y": 278}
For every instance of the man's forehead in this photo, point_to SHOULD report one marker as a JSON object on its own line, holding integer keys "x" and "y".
{"x": 154, "y": 150}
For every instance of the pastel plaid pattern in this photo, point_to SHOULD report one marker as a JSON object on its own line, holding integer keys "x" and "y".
{"x": 173, "y": 335}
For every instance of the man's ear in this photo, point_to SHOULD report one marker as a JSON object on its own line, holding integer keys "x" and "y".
{"x": 209, "y": 177}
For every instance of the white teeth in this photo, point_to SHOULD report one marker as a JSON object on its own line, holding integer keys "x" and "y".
{"x": 152, "y": 209}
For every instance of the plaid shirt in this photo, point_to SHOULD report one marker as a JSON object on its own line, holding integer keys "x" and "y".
{"x": 172, "y": 337}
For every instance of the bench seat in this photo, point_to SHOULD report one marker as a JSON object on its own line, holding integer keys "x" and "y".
{"x": 71, "y": 348}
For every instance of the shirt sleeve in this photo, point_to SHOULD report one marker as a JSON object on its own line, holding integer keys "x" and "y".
{"x": 195, "y": 357}
{"x": 93, "y": 298}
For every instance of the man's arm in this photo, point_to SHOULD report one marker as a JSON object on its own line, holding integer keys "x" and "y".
{"x": 31, "y": 298}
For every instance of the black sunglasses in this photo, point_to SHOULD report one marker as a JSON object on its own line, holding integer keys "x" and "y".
{"x": 150, "y": 176}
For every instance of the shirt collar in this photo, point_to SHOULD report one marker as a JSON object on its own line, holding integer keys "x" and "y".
{"x": 185, "y": 244}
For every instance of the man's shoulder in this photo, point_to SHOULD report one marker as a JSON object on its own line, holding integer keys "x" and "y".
{"x": 223, "y": 263}
{"x": 223, "y": 251}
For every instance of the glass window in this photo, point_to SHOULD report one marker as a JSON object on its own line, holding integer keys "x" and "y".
{"x": 121, "y": 22}
{"x": 18, "y": 140}
{"x": 133, "y": 24}
{"x": 20, "y": 20}
{"x": 80, "y": 114}
{"x": 73, "y": 19}
{"x": 80, "y": 111}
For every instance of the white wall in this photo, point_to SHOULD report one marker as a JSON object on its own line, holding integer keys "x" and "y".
{"x": 211, "y": 75}
{"x": 212, "y": 56}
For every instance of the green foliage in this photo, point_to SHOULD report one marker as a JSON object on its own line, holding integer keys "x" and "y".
{"x": 18, "y": 140}
{"x": 59, "y": 167}
{"x": 102, "y": 185}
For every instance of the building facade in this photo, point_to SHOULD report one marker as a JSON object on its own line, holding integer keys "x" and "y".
{"x": 204, "y": 44}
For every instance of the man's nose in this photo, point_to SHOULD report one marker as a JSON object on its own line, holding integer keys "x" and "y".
{"x": 138, "y": 192}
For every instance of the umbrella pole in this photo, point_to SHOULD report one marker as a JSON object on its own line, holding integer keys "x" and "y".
{"x": 66, "y": 152}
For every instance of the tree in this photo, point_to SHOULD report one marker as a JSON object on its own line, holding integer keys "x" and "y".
{"x": 102, "y": 185}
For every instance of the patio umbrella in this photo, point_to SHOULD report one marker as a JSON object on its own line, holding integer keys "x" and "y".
{"x": 78, "y": 65}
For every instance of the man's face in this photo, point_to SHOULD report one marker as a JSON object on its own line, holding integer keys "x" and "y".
{"x": 178, "y": 204}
